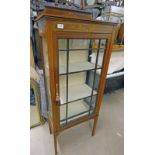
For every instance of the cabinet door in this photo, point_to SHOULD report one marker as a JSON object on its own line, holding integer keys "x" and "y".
{"x": 80, "y": 68}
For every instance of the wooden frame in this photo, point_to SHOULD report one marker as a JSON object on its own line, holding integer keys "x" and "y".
{"x": 75, "y": 26}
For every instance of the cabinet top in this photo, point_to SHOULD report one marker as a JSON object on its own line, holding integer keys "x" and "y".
{"x": 55, "y": 12}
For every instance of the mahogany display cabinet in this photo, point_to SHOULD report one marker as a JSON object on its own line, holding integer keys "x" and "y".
{"x": 73, "y": 45}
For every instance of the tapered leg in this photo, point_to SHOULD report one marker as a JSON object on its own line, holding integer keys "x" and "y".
{"x": 49, "y": 123}
{"x": 94, "y": 126}
{"x": 55, "y": 143}
{"x": 50, "y": 128}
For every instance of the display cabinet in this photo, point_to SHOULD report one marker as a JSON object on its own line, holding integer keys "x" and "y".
{"x": 75, "y": 48}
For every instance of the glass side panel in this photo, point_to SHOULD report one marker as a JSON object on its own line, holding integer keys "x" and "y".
{"x": 47, "y": 78}
{"x": 80, "y": 67}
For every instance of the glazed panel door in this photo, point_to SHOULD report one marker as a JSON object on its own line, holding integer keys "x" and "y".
{"x": 80, "y": 61}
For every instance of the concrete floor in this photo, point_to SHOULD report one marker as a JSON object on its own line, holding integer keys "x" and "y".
{"x": 108, "y": 140}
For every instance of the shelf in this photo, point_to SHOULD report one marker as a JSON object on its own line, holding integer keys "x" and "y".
{"x": 76, "y": 92}
{"x": 78, "y": 67}
{"x": 84, "y": 49}
{"x": 74, "y": 109}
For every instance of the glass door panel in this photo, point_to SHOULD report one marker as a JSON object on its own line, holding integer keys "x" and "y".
{"x": 80, "y": 61}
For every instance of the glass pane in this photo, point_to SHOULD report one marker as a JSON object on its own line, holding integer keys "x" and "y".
{"x": 78, "y": 56}
{"x": 97, "y": 54}
{"x": 81, "y": 108}
{"x": 62, "y": 44}
{"x": 77, "y": 108}
{"x": 96, "y": 43}
{"x": 78, "y": 86}
{"x": 62, "y": 62}
{"x": 79, "y": 43}
{"x": 63, "y": 114}
{"x": 100, "y": 57}
{"x": 97, "y": 79}
{"x": 81, "y": 60}
{"x": 63, "y": 89}
{"x": 103, "y": 43}
{"x": 93, "y": 81}
{"x": 91, "y": 102}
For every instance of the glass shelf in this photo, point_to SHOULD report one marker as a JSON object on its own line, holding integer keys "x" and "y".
{"x": 76, "y": 93}
{"x": 78, "y": 67}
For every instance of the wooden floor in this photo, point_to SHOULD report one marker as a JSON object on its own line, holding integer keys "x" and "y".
{"x": 109, "y": 138}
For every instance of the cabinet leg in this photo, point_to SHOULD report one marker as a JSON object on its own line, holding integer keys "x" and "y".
{"x": 50, "y": 128}
{"x": 94, "y": 125}
{"x": 55, "y": 143}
